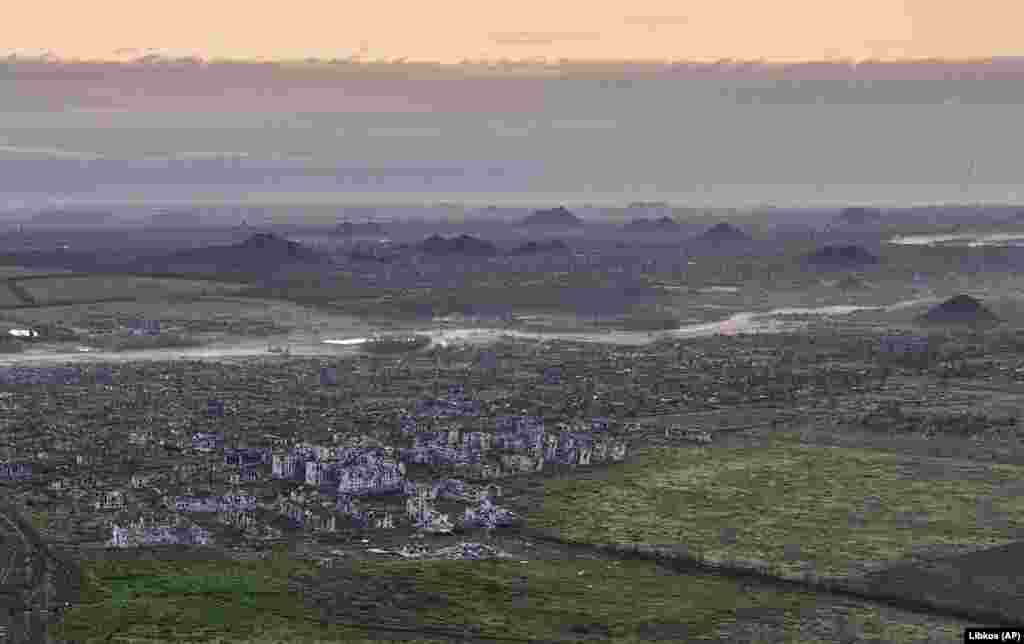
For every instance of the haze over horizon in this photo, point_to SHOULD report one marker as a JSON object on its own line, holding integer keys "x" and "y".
{"x": 151, "y": 128}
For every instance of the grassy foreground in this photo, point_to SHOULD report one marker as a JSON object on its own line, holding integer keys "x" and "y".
{"x": 567, "y": 601}
{"x": 634, "y": 601}
{"x": 192, "y": 600}
{"x": 791, "y": 508}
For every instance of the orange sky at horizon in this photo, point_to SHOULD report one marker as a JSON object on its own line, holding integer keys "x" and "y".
{"x": 453, "y": 30}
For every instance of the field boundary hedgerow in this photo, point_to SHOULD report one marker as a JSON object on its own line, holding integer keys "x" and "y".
{"x": 678, "y": 560}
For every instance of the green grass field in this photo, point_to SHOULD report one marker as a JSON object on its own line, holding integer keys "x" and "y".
{"x": 630, "y": 602}
{"x": 791, "y": 508}
{"x": 192, "y": 600}
{"x": 7, "y": 297}
{"x": 96, "y": 287}
{"x": 238, "y": 316}
{"x": 626, "y": 602}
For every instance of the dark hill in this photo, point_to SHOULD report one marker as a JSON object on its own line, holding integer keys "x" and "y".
{"x": 533, "y": 248}
{"x": 723, "y": 232}
{"x": 985, "y": 584}
{"x": 72, "y": 217}
{"x": 262, "y": 253}
{"x": 840, "y": 257}
{"x": 559, "y": 216}
{"x": 962, "y": 309}
{"x": 349, "y": 229}
{"x": 859, "y": 216}
{"x": 852, "y": 283}
{"x": 176, "y": 220}
{"x": 643, "y": 225}
{"x": 461, "y": 245}
{"x": 385, "y": 253}
{"x": 270, "y": 245}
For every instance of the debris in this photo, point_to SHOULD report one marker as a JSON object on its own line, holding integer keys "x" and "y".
{"x": 414, "y": 551}
{"x": 435, "y": 523}
{"x": 465, "y": 550}
{"x": 487, "y": 515}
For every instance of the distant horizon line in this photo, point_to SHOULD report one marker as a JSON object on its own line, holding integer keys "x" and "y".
{"x": 472, "y": 205}
{"x": 157, "y": 57}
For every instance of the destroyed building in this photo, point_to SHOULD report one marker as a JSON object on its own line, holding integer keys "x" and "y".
{"x": 143, "y": 533}
{"x": 381, "y": 478}
{"x": 487, "y": 515}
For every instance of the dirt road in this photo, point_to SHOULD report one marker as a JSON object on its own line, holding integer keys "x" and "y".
{"x": 36, "y": 582}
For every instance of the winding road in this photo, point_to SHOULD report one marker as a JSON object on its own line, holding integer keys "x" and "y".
{"x": 774, "y": 320}
{"x": 51, "y": 583}
{"x": 11, "y": 528}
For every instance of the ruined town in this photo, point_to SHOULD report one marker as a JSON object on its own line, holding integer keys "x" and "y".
{"x": 219, "y": 470}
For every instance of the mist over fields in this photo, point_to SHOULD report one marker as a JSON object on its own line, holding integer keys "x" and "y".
{"x": 718, "y": 137}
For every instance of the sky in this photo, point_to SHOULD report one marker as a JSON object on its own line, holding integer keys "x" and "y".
{"x": 143, "y": 131}
{"x": 453, "y": 30}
